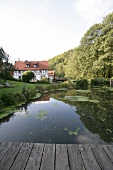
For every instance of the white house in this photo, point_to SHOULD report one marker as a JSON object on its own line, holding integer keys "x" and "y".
{"x": 40, "y": 69}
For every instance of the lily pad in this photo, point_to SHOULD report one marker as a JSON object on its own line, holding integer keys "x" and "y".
{"x": 83, "y": 91}
{"x": 80, "y": 99}
{"x": 42, "y": 115}
{"x": 76, "y": 98}
{"x": 72, "y": 132}
{"x": 94, "y": 101}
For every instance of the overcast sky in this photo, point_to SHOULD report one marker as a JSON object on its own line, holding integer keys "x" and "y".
{"x": 42, "y": 29}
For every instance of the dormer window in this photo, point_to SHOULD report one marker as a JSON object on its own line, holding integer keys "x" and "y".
{"x": 35, "y": 65}
{"x": 27, "y": 65}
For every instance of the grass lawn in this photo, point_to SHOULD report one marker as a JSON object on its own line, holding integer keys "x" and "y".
{"x": 16, "y": 87}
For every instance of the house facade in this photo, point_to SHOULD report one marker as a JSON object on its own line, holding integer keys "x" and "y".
{"x": 51, "y": 75}
{"x": 39, "y": 68}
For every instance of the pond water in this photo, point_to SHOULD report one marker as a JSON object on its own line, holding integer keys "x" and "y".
{"x": 70, "y": 116}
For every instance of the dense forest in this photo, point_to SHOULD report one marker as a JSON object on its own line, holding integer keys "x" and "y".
{"x": 92, "y": 58}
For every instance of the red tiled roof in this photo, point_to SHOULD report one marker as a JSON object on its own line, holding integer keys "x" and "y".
{"x": 41, "y": 65}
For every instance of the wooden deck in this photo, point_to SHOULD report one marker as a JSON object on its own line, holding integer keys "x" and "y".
{"x": 35, "y": 156}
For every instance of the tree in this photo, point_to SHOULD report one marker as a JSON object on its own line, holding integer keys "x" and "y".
{"x": 5, "y": 66}
{"x": 92, "y": 58}
{"x": 27, "y": 76}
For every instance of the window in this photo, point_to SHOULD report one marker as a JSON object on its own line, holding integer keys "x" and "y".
{"x": 16, "y": 73}
{"x": 27, "y": 65}
{"x": 35, "y": 65}
{"x": 37, "y": 72}
{"x": 42, "y": 71}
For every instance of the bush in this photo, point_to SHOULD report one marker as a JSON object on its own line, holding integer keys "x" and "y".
{"x": 82, "y": 84}
{"x": 99, "y": 82}
{"x": 43, "y": 81}
{"x": 9, "y": 99}
{"x": 28, "y": 93}
{"x": 27, "y": 76}
{"x": 54, "y": 86}
{"x": 1, "y": 104}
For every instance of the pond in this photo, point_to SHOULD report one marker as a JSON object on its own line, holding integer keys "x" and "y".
{"x": 72, "y": 116}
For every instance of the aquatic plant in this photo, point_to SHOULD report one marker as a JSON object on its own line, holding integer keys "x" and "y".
{"x": 83, "y": 91}
{"x": 42, "y": 115}
{"x": 80, "y": 99}
{"x": 72, "y": 132}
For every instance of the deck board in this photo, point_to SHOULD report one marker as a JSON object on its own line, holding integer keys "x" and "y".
{"x": 61, "y": 157}
{"x": 75, "y": 157}
{"x": 102, "y": 158}
{"x": 22, "y": 158}
{"x": 4, "y": 148}
{"x": 34, "y": 161}
{"x": 8, "y": 159}
{"x": 36, "y": 156}
{"x": 88, "y": 157}
{"x": 48, "y": 157}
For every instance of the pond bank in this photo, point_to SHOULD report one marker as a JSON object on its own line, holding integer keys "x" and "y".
{"x": 41, "y": 89}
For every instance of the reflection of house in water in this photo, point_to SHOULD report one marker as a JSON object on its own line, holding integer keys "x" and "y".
{"x": 23, "y": 110}
{"x": 45, "y": 98}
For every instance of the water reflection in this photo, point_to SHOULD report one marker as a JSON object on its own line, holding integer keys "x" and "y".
{"x": 97, "y": 117}
{"x": 52, "y": 119}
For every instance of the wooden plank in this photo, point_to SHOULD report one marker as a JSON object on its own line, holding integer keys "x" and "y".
{"x": 4, "y": 148}
{"x": 88, "y": 157}
{"x": 35, "y": 157}
{"x": 108, "y": 151}
{"x": 62, "y": 162}
{"x": 22, "y": 158}
{"x": 28, "y": 156}
{"x": 75, "y": 158}
{"x": 102, "y": 158}
{"x": 110, "y": 147}
{"x": 48, "y": 157}
{"x": 9, "y": 158}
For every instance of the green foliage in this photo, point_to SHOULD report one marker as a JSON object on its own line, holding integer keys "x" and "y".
{"x": 5, "y": 66}
{"x": 99, "y": 81}
{"x": 27, "y": 76}
{"x": 19, "y": 92}
{"x": 8, "y": 99}
{"x": 92, "y": 58}
{"x": 43, "y": 81}
{"x": 82, "y": 84}
{"x": 59, "y": 62}
{"x": 56, "y": 86}
{"x": 28, "y": 93}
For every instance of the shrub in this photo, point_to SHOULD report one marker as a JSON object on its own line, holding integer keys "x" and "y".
{"x": 27, "y": 76}
{"x": 28, "y": 93}
{"x": 43, "y": 81}
{"x": 82, "y": 84}
{"x": 9, "y": 99}
{"x": 99, "y": 82}
{"x": 1, "y": 104}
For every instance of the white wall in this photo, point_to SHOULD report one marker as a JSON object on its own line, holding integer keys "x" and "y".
{"x": 38, "y": 75}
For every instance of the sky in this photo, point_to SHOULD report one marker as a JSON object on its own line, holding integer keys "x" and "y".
{"x": 37, "y": 30}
